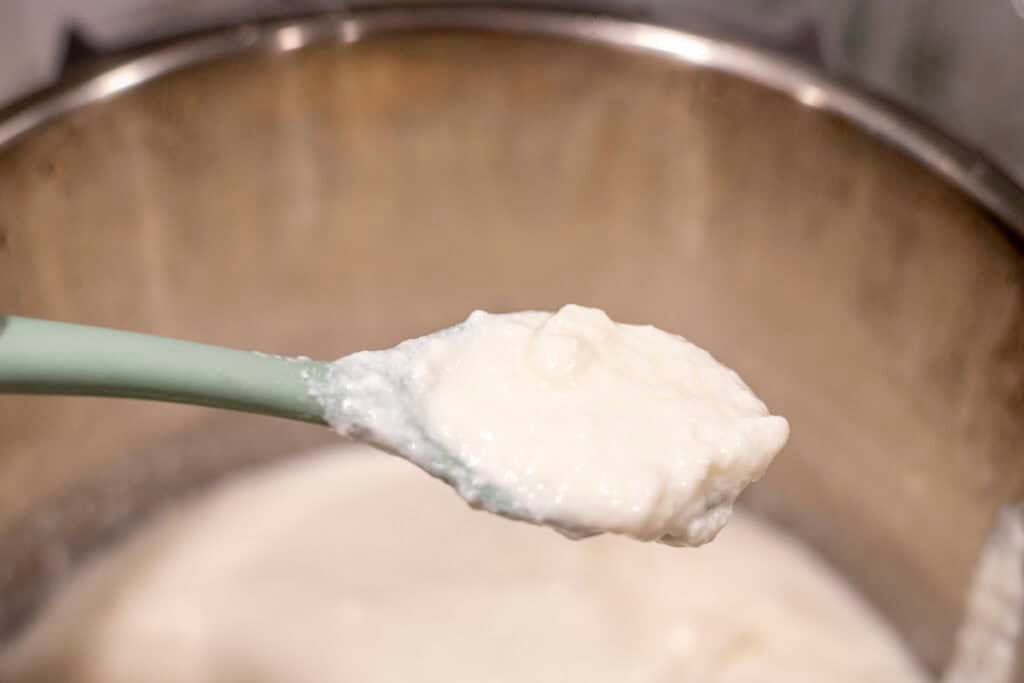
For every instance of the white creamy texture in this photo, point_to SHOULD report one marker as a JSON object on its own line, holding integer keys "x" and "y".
{"x": 359, "y": 568}
{"x": 565, "y": 419}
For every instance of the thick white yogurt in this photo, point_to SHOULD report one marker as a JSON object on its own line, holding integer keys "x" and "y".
{"x": 346, "y": 567}
{"x": 565, "y": 419}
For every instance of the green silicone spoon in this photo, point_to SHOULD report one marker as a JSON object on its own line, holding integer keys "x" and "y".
{"x": 47, "y": 357}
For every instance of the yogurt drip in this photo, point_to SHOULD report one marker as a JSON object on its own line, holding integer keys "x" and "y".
{"x": 565, "y": 419}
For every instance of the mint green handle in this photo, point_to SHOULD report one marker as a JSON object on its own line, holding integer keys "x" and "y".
{"x": 46, "y": 357}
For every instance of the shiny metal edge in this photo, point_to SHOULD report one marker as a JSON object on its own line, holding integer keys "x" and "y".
{"x": 965, "y": 168}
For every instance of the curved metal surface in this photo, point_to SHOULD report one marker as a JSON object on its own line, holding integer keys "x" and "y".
{"x": 344, "y": 197}
{"x": 965, "y": 168}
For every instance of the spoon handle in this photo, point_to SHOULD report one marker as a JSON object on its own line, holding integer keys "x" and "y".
{"x": 48, "y": 357}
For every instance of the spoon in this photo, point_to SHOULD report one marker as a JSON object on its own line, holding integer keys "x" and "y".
{"x": 48, "y": 357}
{"x": 567, "y": 419}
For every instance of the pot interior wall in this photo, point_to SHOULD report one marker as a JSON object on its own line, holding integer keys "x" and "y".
{"x": 337, "y": 198}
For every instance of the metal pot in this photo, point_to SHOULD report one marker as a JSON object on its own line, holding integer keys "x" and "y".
{"x": 343, "y": 182}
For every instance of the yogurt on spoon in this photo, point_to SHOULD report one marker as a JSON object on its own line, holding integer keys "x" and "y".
{"x": 565, "y": 419}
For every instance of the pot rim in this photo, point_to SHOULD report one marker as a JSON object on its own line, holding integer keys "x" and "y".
{"x": 965, "y": 168}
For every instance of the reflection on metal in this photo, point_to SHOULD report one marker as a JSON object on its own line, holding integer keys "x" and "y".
{"x": 290, "y": 38}
{"x": 812, "y": 96}
{"x": 961, "y": 166}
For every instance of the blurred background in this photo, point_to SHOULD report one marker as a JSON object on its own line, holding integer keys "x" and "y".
{"x": 959, "y": 63}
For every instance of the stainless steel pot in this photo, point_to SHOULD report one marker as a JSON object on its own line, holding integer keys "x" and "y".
{"x": 346, "y": 181}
